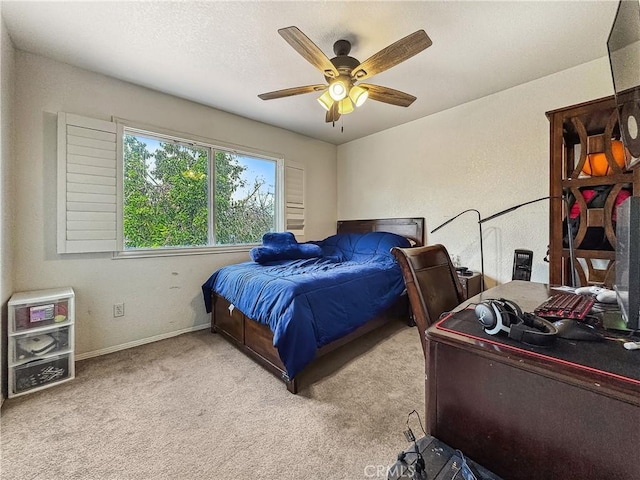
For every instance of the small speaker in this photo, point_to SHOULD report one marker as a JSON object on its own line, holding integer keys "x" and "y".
{"x": 522, "y": 261}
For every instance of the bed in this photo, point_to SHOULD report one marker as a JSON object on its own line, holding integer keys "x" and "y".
{"x": 287, "y": 313}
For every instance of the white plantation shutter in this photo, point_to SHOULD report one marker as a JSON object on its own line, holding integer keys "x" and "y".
{"x": 87, "y": 185}
{"x": 294, "y": 180}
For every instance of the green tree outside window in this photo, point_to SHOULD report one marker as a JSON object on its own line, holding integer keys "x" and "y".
{"x": 167, "y": 198}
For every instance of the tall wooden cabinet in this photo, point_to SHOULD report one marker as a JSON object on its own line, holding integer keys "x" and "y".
{"x": 578, "y": 134}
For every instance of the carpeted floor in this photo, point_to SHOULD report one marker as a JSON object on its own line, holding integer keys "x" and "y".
{"x": 194, "y": 407}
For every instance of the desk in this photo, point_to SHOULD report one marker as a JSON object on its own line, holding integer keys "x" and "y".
{"x": 525, "y": 412}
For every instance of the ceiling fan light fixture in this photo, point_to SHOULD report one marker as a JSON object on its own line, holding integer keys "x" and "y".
{"x": 358, "y": 95}
{"x": 325, "y": 100}
{"x": 338, "y": 89}
{"x": 345, "y": 106}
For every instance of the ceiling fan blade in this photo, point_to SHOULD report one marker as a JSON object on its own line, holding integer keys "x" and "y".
{"x": 332, "y": 115}
{"x": 288, "y": 92}
{"x": 309, "y": 50}
{"x": 388, "y": 95}
{"x": 392, "y": 55}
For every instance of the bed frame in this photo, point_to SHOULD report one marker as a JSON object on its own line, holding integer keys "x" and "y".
{"x": 256, "y": 339}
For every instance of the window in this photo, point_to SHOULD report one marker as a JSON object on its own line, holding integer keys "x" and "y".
{"x": 141, "y": 191}
{"x": 178, "y": 193}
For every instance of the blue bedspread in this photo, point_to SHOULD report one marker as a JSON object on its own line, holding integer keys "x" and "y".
{"x": 308, "y": 303}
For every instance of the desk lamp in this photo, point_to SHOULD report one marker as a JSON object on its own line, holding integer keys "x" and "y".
{"x": 481, "y": 248}
{"x": 574, "y": 281}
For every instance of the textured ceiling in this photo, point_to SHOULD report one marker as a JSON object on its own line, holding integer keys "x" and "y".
{"x": 223, "y": 54}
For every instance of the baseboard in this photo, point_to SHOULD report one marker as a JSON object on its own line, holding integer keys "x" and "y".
{"x": 137, "y": 343}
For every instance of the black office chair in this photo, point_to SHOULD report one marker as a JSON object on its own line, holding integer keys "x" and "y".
{"x": 432, "y": 283}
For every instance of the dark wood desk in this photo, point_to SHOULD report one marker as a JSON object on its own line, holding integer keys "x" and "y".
{"x": 568, "y": 411}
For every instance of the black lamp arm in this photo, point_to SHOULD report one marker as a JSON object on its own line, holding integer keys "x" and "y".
{"x": 574, "y": 280}
{"x": 453, "y": 218}
{"x": 511, "y": 209}
{"x": 481, "y": 247}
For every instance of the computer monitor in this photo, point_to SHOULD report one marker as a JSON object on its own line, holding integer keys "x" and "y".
{"x": 623, "y": 45}
{"x": 627, "y": 282}
{"x": 624, "y": 59}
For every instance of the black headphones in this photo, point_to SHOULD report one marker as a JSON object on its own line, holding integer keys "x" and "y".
{"x": 502, "y": 315}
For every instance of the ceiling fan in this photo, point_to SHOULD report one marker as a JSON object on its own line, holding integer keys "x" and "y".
{"x": 343, "y": 73}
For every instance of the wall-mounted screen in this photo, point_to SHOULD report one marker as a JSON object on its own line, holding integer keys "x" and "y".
{"x": 624, "y": 58}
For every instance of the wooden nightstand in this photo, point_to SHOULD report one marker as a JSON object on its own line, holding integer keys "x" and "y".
{"x": 471, "y": 284}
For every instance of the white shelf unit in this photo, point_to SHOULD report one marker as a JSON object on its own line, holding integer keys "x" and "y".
{"x": 41, "y": 339}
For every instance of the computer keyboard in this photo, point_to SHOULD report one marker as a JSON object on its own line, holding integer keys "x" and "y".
{"x": 565, "y": 305}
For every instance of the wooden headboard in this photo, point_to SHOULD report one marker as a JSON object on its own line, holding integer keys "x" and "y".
{"x": 412, "y": 228}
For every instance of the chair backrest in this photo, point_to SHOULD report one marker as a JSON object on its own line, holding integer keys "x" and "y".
{"x": 432, "y": 283}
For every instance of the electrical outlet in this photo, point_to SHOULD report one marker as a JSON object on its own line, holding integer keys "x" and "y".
{"x": 118, "y": 309}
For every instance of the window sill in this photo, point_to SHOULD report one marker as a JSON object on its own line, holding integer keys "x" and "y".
{"x": 173, "y": 252}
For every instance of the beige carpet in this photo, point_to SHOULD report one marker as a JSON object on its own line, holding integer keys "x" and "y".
{"x": 194, "y": 407}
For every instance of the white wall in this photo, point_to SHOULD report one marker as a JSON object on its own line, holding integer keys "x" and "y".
{"x": 7, "y": 68}
{"x": 488, "y": 154}
{"x": 161, "y": 295}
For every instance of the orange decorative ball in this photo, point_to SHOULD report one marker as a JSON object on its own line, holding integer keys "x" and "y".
{"x": 596, "y": 164}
